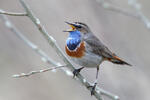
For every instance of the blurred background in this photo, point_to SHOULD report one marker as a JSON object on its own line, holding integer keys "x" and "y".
{"x": 124, "y": 35}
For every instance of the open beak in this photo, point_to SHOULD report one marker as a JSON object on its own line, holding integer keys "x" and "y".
{"x": 72, "y": 26}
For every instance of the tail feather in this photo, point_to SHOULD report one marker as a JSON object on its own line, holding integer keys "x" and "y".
{"x": 117, "y": 60}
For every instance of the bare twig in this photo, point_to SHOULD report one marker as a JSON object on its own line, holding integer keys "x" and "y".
{"x": 116, "y": 9}
{"x": 35, "y": 72}
{"x": 12, "y": 13}
{"x": 138, "y": 14}
{"x": 28, "y": 42}
{"x": 53, "y": 43}
{"x": 111, "y": 95}
{"x": 137, "y": 6}
{"x": 40, "y": 52}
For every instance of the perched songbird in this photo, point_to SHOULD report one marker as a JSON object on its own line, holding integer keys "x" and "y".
{"x": 85, "y": 49}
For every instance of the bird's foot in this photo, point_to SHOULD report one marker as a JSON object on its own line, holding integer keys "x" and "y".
{"x": 77, "y": 71}
{"x": 92, "y": 88}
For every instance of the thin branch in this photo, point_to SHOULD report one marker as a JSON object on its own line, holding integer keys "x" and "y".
{"x": 137, "y": 6}
{"x": 35, "y": 72}
{"x": 28, "y": 42}
{"x": 111, "y": 95}
{"x": 40, "y": 52}
{"x": 43, "y": 55}
{"x": 116, "y": 9}
{"x": 12, "y": 13}
{"x": 138, "y": 14}
{"x": 53, "y": 43}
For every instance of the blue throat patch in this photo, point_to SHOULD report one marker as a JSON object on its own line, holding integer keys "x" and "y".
{"x": 74, "y": 39}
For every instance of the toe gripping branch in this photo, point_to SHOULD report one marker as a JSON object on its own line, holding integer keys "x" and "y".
{"x": 93, "y": 88}
{"x": 77, "y": 71}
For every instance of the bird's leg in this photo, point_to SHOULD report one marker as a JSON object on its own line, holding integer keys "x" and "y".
{"x": 95, "y": 83}
{"x": 77, "y": 71}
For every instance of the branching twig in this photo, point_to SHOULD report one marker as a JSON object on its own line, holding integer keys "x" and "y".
{"x": 12, "y": 13}
{"x": 142, "y": 17}
{"x": 28, "y": 42}
{"x": 53, "y": 43}
{"x": 114, "y": 8}
{"x": 35, "y": 72}
{"x": 138, "y": 14}
{"x": 40, "y": 52}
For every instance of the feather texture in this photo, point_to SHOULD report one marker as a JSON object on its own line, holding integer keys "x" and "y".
{"x": 78, "y": 52}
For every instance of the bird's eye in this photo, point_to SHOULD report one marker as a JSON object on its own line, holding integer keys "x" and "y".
{"x": 79, "y": 26}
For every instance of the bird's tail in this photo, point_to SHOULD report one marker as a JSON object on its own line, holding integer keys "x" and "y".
{"x": 117, "y": 60}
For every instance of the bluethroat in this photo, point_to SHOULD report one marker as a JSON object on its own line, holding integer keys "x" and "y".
{"x": 85, "y": 49}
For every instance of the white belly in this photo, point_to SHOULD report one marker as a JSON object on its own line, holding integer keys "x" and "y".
{"x": 88, "y": 60}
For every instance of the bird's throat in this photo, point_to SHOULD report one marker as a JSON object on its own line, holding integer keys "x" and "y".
{"x": 73, "y": 40}
{"x": 72, "y": 44}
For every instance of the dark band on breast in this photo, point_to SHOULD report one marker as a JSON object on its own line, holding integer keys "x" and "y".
{"x": 78, "y": 52}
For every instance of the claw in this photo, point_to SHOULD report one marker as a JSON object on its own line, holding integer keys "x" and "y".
{"x": 77, "y": 71}
{"x": 93, "y": 88}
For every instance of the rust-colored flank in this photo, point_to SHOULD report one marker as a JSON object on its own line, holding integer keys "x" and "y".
{"x": 114, "y": 58}
{"x": 78, "y": 53}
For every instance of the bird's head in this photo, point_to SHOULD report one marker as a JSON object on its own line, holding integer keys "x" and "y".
{"x": 82, "y": 27}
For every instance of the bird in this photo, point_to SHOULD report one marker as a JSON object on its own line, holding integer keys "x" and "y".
{"x": 86, "y": 50}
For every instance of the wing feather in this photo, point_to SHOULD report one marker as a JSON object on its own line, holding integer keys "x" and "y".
{"x": 97, "y": 47}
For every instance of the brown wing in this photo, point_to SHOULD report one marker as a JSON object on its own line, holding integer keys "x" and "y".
{"x": 97, "y": 47}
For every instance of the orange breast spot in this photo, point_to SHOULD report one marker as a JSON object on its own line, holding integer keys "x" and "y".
{"x": 78, "y": 53}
